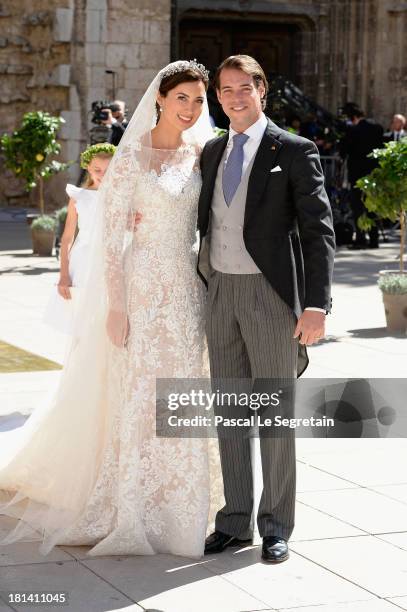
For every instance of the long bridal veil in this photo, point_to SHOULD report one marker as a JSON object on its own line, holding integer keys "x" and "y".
{"x": 48, "y": 467}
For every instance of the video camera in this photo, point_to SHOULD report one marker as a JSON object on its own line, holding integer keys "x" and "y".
{"x": 98, "y": 114}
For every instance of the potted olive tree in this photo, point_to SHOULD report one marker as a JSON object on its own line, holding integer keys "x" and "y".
{"x": 43, "y": 234}
{"x": 27, "y": 153}
{"x": 385, "y": 194}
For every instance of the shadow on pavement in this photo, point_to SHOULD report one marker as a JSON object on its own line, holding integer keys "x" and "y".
{"x": 26, "y": 271}
{"x": 361, "y": 268}
{"x": 12, "y": 421}
{"x": 327, "y": 340}
{"x": 374, "y": 332}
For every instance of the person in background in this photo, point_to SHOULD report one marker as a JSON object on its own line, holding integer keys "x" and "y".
{"x": 295, "y": 126}
{"x": 362, "y": 136}
{"x": 116, "y": 121}
{"x": 75, "y": 245}
{"x": 397, "y": 129}
{"x": 325, "y": 146}
{"x": 310, "y": 128}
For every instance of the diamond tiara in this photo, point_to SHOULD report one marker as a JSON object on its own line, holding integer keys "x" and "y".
{"x": 181, "y": 66}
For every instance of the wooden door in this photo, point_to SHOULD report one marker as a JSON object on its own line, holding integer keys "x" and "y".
{"x": 273, "y": 45}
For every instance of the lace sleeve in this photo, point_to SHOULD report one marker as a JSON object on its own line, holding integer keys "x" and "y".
{"x": 119, "y": 210}
{"x": 198, "y": 153}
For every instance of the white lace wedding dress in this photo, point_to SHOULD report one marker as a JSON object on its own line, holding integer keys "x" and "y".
{"x": 89, "y": 469}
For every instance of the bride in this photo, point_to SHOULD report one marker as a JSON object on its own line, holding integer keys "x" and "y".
{"x": 88, "y": 469}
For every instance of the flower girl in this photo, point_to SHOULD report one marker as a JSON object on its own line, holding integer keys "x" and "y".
{"x": 75, "y": 240}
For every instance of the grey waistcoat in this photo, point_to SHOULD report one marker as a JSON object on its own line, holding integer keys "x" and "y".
{"x": 227, "y": 252}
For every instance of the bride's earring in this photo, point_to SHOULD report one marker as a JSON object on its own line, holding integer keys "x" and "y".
{"x": 161, "y": 109}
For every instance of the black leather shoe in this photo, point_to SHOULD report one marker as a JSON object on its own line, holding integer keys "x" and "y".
{"x": 218, "y": 541}
{"x": 275, "y": 550}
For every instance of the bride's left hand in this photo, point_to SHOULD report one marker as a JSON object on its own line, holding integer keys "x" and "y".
{"x": 118, "y": 327}
{"x": 137, "y": 219}
{"x": 133, "y": 220}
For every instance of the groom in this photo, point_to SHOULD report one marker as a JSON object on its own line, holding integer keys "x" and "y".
{"x": 266, "y": 254}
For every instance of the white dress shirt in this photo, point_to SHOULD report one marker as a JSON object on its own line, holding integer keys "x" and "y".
{"x": 255, "y": 133}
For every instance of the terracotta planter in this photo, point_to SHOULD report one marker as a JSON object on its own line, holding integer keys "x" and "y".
{"x": 43, "y": 241}
{"x": 395, "y": 307}
{"x": 30, "y": 217}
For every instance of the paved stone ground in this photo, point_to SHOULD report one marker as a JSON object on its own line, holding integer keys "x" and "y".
{"x": 349, "y": 547}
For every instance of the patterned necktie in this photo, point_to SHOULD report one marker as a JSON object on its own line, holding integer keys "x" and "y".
{"x": 232, "y": 172}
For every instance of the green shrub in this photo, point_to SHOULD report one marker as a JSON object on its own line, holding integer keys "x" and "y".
{"x": 393, "y": 283}
{"x": 385, "y": 188}
{"x": 44, "y": 222}
{"x": 61, "y": 214}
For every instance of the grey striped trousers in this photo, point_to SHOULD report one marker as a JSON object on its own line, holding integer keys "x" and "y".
{"x": 249, "y": 330}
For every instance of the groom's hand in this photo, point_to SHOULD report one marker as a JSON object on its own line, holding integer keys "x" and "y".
{"x": 310, "y": 327}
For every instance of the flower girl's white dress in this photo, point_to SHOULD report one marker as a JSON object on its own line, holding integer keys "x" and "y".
{"x": 59, "y": 311}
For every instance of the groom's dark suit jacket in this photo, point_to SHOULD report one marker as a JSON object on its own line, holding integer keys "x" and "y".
{"x": 288, "y": 229}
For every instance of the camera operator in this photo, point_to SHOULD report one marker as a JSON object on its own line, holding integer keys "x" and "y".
{"x": 116, "y": 120}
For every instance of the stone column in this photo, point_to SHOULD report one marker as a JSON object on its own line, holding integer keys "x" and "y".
{"x": 130, "y": 38}
{"x": 54, "y": 59}
{"x": 35, "y": 73}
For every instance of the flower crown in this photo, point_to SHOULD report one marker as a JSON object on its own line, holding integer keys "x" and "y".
{"x": 94, "y": 150}
{"x": 182, "y": 66}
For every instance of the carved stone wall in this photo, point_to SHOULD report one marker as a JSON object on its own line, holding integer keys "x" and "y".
{"x": 34, "y": 68}
{"x": 347, "y": 49}
{"x": 54, "y": 54}
{"x": 53, "y": 57}
{"x": 362, "y": 56}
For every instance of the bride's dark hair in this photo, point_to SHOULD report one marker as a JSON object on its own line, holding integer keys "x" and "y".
{"x": 186, "y": 76}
